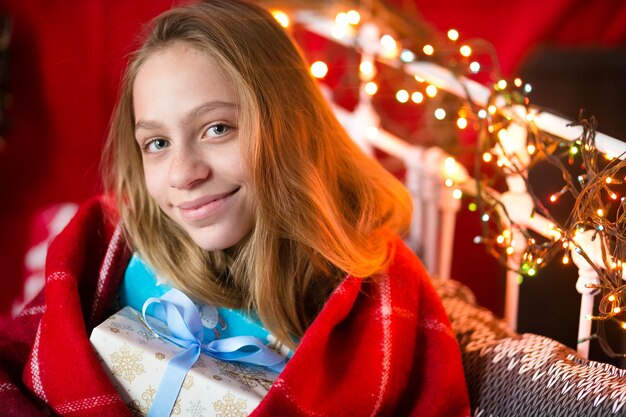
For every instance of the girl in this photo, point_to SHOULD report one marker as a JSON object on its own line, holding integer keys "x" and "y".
{"x": 234, "y": 181}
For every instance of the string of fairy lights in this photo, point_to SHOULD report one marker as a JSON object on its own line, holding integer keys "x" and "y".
{"x": 596, "y": 182}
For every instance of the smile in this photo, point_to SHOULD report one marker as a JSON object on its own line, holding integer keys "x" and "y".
{"x": 204, "y": 207}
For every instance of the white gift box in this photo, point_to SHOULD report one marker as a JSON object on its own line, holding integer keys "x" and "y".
{"x": 135, "y": 360}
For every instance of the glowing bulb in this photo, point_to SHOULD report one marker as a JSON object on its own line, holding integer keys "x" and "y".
{"x": 448, "y": 182}
{"x": 613, "y": 196}
{"x": 510, "y": 250}
{"x": 281, "y": 17}
{"x": 506, "y": 233}
{"x": 453, "y": 34}
{"x": 502, "y": 84}
{"x": 319, "y": 69}
{"x": 474, "y": 67}
{"x": 341, "y": 19}
{"x": 407, "y": 56}
{"x": 353, "y": 17}
{"x": 565, "y": 260}
{"x": 402, "y": 96}
{"x": 428, "y": 50}
{"x": 531, "y": 149}
{"x": 500, "y": 239}
{"x": 457, "y": 194}
{"x": 517, "y": 82}
{"x": 503, "y": 135}
{"x": 485, "y": 217}
{"x": 431, "y": 91}
{"x": 617, "y": 310}
{"x": 482, "y": 114}
{"x": 389, "y": 45}
{"x": 417, "y": 97}
{"x": 367, "y": 69}
{"x": 528, "y": 88}
{"x": 461, "y": 122}
{"x": 573, "y": 150}
{"x": 492, "y": 109}
{"x": 440, "y": 114}
{"x": 487, "y": 157}
{"x": 472, "y": 207}
{"x": 371, "y": 88}
{"x": 531, "y": 272}
{"x": 600, "y": 212}
{"x": 624, "y": 325}
{"x": 611, "y": 298}
{"x": 608, "y": 180}
{"x": 465, "y": 50}
{"x": 553, "y": 198}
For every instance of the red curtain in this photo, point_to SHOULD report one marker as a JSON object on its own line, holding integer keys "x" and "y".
{"x": 66, "y": 58}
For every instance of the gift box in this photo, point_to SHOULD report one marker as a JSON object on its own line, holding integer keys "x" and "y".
{"x": 135, "y": 359}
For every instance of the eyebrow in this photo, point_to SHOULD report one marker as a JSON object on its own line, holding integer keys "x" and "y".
{"x": 193, "y": 113}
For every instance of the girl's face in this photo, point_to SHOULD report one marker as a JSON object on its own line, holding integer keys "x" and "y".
{"x": 186, "y": 127}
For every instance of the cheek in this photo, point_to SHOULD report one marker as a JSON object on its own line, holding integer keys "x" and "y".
{"x": 154, "y": 184}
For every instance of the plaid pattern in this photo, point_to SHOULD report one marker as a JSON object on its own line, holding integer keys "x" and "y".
{"x": 381, "y": 347}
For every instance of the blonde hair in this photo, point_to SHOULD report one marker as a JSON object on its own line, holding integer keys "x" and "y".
{"x": 323, "y": 208}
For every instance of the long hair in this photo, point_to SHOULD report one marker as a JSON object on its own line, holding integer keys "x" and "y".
{"x": 323, "y": 209}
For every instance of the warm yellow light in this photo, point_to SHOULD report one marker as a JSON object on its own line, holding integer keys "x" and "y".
{"x": 465, "y": 50}
{"x": 500, "y": 239}
{"x": 482, "y": 114}
{"x": 565, "y": 259}
{"x": 531, "y": 149}
{"x": 388, "y": 43}
{"x": 506, "y": 233}
{"x": 608, "y": 180}
{"x": 339, "y": 32}
{"x": 517, "y": 82}
{"x": 428, "y": 49}
{"x": 402, "y": 96}
{"x": 319, "y": 69}
{"x": 487, "y": 157}
{"x": 417, "y": 97}
{"x": 461, "y": 122}
{"x": 553, "y": 198}
{"x": 614, "y": 196}
{"x": 502, "y": 84}
{"x": 611, "y": 298}
{"x": 492, "y": 109}
{"x": 448, "y": 182}
{"x": 353, "y": 17}
{"x": 510, "y": 250}
{"x": 371, "y": 88}
{"x": 431, "y": 91}
{"x": 453, "y": 34}
{"x": 367, "y": 68}
{"x": 600, "y": 212}
{"x": 457, "y": 194}
{"x": 281, "y": 17}
{"x": 609, "y": 156}
{"x": 341, "y": 19}
{"x": 623, "y": 325}
{"x": 440, "y": 114}
{"x": 503, "y": 135}
{"x": 474, "y": 67}
{"x": 617, "y": 310}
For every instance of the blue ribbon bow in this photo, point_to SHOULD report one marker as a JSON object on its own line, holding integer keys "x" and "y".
{"x": 185, "y": 329}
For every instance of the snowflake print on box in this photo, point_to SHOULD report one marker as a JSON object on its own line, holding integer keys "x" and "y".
{"x": 127, "y": 363}
{"x": 247, "y": 375}
{"x": 230, "y": 406}
{"x": 141, "y": 408}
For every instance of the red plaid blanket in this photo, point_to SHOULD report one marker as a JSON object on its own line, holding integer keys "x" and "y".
{"x": 377, "y": 348}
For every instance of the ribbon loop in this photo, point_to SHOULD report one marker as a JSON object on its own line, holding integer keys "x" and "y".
{"x": 184, "y": 328}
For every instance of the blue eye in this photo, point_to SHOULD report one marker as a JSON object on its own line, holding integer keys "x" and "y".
{"x": 217, "y": 130}
{"x": 156, "y": 145}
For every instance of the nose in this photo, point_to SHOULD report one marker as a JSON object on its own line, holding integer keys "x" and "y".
{"x": 187, "y": 168}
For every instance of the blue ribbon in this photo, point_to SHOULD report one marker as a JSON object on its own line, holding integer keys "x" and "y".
{"x": 184, "y": 326}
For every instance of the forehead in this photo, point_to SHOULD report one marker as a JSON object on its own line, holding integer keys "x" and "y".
{"x": 180, "y": 75}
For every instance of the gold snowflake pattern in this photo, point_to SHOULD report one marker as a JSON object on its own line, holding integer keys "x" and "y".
{"x": 127, "y": 363}
{"x": 188, "y": 382}
{"x": 141, "y": 408}
{"x": 247, "y": 375}
{"x": 230, "y": 406}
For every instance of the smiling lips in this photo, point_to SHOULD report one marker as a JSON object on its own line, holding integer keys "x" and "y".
{"x": 204, "y": 207}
